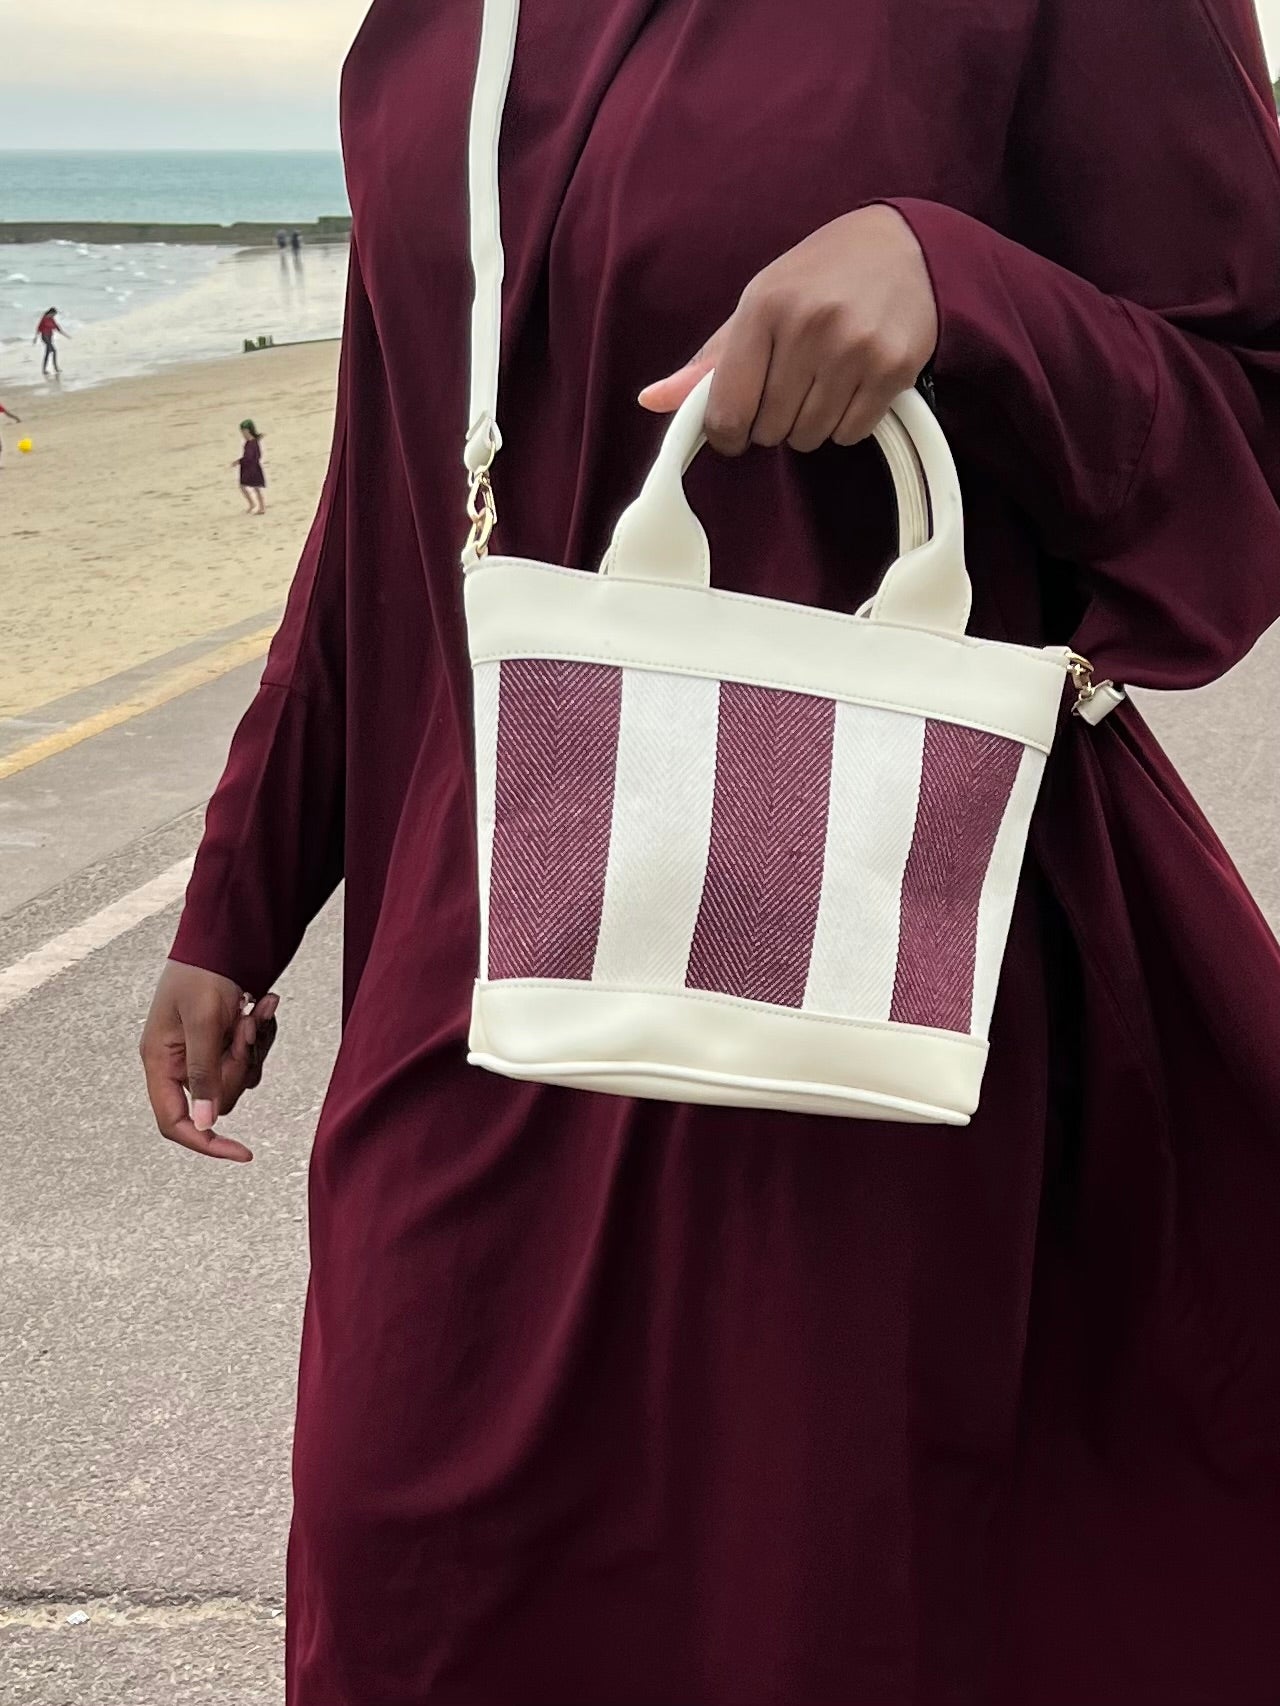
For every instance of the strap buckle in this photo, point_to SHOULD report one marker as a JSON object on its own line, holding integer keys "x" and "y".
{"x": 482, "y": 513}
{"x": 1095, "y": 699}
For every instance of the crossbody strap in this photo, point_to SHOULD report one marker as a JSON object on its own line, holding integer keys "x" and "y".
{"x": 498, "y": 32}
{"x": 484, "y": 440}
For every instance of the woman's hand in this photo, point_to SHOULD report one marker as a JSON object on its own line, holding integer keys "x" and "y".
{"x": 821, "y": 343}
{"x": 198, "y": 1038}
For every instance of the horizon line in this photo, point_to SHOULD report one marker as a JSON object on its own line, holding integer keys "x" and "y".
{"x": 165, "y": 148}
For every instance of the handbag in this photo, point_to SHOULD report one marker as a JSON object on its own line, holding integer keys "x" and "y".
{"x": 734, "y": 850}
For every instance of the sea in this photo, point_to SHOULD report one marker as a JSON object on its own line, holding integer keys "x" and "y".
{"x": 134, "y": 308}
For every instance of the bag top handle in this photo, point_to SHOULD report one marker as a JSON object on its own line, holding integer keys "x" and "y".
{"x": 659, "y": 536}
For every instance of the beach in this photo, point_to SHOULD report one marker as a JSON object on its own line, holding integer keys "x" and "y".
{"x": 123, "y": 535}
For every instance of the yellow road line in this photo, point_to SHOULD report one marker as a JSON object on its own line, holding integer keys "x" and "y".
{"x": 158, "y": 692}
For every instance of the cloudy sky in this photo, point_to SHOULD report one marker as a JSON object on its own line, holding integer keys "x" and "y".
{"x": 172, "y": 73}
{"x": 192, "y": 73}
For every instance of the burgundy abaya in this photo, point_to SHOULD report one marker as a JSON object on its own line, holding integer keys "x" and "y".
{"x": 612, "y": 1404}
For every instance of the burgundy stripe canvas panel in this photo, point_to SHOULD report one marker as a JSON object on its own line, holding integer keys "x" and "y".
{"x": 557, "y": 754}
{"x": 965, "y": 783}
{"x": 759, "y": 911}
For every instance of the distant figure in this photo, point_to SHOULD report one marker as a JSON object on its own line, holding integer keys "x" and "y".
{"x": 252, "y": 479}
{"x": 282, "y": 240}
{"x": 46, "y": 329}
{"x": 9, "y": 415}
{"x": 295, "y": 243}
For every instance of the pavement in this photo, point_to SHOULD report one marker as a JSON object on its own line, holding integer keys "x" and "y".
{"x": 150, "y": 1302}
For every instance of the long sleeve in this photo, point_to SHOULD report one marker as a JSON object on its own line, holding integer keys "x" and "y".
{"x": 1112, "y": 361}
{"x": 272, "y": 852}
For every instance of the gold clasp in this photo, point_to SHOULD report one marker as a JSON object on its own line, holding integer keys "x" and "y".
{"x": 1081, "y": 671}
{"x": 482, "y": 512}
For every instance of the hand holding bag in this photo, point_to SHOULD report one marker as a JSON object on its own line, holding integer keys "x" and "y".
{"x": 735, "y": 850}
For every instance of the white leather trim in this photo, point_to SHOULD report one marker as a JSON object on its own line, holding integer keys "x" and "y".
{"x": 519, "y": 609}
{"x": 493, "y": 77}
{"x": 1000, "y": 889}
{"x": 1107, "y": 697}
{"x": 690, "y": 1047}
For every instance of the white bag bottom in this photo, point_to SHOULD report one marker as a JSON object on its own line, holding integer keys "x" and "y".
{"x": 686, "y": 1046}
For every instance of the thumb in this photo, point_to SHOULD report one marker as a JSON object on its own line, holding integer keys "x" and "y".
{"x": 204, "y": 1044}
{"x": 665, "y": 396}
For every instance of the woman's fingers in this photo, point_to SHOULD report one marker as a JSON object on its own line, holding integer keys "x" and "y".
{"x": 165, "y": 1066}
{"x": 190, "y": 1038}
{"x": 869, "y": 405}
{"x": 742, "y": 371}
{"x": 823, "y": 339}
{"x": 251, "y": 1043}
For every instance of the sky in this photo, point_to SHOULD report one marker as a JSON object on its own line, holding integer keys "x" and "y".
{"x": 172, "y": 73}
{"x": 194, "y": 73}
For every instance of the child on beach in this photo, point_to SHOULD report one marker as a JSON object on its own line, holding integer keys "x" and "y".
{"x": 46, "y": 329}
{"x": 252, "y": 478}
{"x": 9, "y": 415}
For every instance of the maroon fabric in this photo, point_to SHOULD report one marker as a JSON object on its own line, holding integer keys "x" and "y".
{"x": 759, "y": 912}
{"x": 251, "y": 473}
{"x": 557, "y": 758}
{"x": 966, "y": 778}
{"x": 611, "y": 1404}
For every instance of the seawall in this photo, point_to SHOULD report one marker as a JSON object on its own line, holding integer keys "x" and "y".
{"x": 334, "y": 229}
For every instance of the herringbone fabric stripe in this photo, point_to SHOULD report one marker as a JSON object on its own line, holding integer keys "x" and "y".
{"x": 965, "y": 783}
{"x": 768, "y": 831}
{"x": 557, "y": 753}
{"x": 487, "y": 688}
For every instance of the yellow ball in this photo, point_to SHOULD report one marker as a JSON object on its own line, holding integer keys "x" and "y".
{"x": 25, "y": 446}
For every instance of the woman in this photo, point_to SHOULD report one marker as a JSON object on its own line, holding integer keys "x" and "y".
{"x": 607, "y": 1402}
{"x": 253, "y": 479}
{"x": 45, "y": 330}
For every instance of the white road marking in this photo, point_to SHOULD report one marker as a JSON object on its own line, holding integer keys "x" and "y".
{"x": 43, "y": 964}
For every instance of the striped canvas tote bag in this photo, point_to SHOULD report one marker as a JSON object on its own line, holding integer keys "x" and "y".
{"x": 734, "y": 850}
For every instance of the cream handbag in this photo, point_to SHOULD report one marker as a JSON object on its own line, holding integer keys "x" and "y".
{"x": 734, "y": 850}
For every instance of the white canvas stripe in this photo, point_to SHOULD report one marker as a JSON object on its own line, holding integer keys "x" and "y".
{"x": 875, "y": 786}
{"x": 488, "y": 683}
{"x": 663, "y": 796}
{"x": 995, "y": 909}
{"x": 51, "y": 959}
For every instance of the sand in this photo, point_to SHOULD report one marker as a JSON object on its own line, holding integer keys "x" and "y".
{"x": 124, "y": 536}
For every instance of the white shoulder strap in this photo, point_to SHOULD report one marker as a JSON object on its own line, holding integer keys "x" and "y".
{"x": 484, "y": 440}
{"x": 493, "y": 78}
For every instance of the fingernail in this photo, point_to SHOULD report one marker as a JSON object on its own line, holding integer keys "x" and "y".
{"x": 202, "y": 1115}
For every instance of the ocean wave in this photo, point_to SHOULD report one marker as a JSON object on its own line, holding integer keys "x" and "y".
{"x": 17, "y": 278}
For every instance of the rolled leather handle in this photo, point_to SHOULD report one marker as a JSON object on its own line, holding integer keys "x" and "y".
{"x": 659, "y": 538}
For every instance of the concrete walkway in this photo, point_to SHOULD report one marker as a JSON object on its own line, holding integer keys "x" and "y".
{"x": 150, "y": 1301}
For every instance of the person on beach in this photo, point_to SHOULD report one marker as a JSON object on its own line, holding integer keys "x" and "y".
{"x": 252, "y": 478}
{"x": 9, "y": 415}
{"x": 46, "y": 330}
{"x": 627, "y": 1403}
